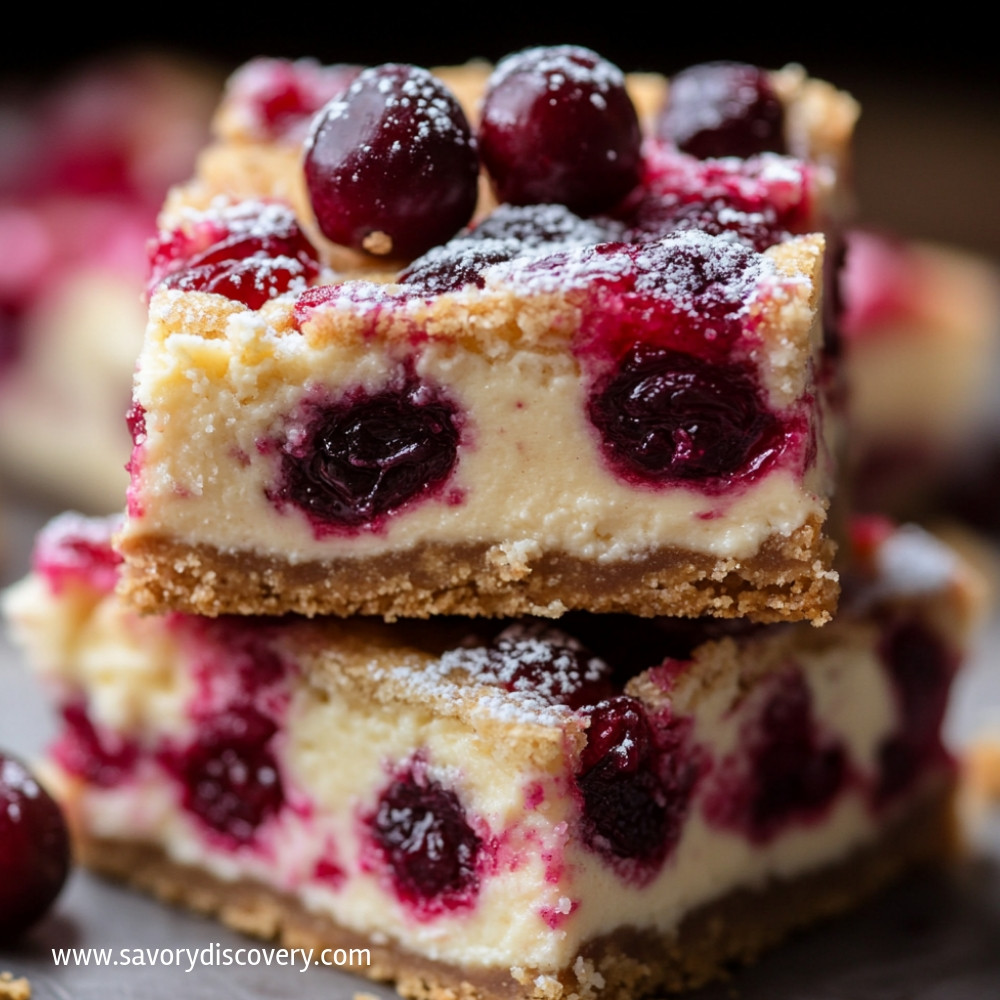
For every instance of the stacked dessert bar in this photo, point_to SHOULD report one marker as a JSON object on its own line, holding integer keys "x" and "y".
{"x": 465, "y": 608}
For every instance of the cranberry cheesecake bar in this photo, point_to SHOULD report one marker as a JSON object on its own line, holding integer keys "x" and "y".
{"x": 609, "y": 392}
{"x": 608, "y": 808}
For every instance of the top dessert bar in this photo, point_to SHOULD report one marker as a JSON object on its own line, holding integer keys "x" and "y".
{"x": 608, "y": 391}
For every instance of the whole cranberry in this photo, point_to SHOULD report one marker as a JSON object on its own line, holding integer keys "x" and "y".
{"x": 558, "y": 126}
{"x": 391, "y": 164}
{"x": 723, "y": 109}
{"x": 34, "y": 849}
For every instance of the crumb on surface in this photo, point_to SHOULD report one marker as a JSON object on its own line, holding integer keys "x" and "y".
{"x": 14, "y": 989}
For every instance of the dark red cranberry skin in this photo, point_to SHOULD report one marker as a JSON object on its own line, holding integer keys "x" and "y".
{"x": 367, "y": 456}
{"x": 100, "y": 757}
{"x": 34, "y": 849}
{"x": 424, "y": 838}
{"x": 541, "y": 661}
{"x": 558, "y": 126}
{"x": 229, "y": 777}
{"x": 688, "y": 291}
{"x": 75, "y": 551}
{"x": 510, "y": 231}
{"x": 785, "y": 771}
{"x": 246, "y": 259}
{"x": 920, "y": 667}
{"x": 394, "y": 155}
{"x": 723, "y": 109}
{"x": 635, "y": 779}
{"x": 456, "y": 265}
{"x": 667, "y": 418}
{"x": 753, "y": 201}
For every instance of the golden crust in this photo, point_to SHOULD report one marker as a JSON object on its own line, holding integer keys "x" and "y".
{"x": 786, "y": 580}
{"x": 625, "y": 965}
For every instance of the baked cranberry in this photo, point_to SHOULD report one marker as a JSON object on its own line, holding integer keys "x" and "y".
{"x": 101, "y": 756}
{"x": 511, "y": 231}
{"x": 75, "y": 549}
{"x": 921, "y": 668}
{"x": 277, "y": 98}
{"x": 557, "y": 125}
{"x": 723, "y": 109}
{"x": 759, "y": 201}
{"x": 534, "y": 227}
{"x": 423, "y": 836}
{"x": 784, "y": 772}
{"x": 391, "y": 164}
{"x": 229, "y": 776}
{"x": 689, "y": 291}
{"x": 539, "y": 660}
{"x": 665, "y": 418}
{"x": 249, "y": 254}
{"x": 655, "y": 215}
{"x": 135, "y": 420}
{"x": 635, "y": 779}
{"x": 364, "y": 457}
{"x": 459, "y": 263}
{"x": 34, "y": 849}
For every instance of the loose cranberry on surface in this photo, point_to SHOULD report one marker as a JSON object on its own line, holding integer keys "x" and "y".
{"x": 34, "y": 849}
{"x": 391, "y": 165}
{"x": 365, "y": 456}
{"x": 668, "y": 418}
{"x": 723, "y": 109}
{"x": 558, "y": 126}
{"x": 423, "y": 836}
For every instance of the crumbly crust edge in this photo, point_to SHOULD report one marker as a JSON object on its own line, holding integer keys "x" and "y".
{"x": 788, "y": 579}
{"x": 624, "y": 965}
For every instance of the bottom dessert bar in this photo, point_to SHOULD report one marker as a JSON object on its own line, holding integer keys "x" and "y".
{"x": 628, "y": 962}
{"x": 606, "y": 808}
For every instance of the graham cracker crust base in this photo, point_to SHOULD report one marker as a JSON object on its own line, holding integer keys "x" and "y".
{"x": 631, "y": 962}
{"x": 788, "y": 579}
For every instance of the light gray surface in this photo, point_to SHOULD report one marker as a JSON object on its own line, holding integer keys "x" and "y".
{"x": 934, "y": 937}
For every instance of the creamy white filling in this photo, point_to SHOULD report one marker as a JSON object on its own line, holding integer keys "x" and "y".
{"x": 530, "y": 470}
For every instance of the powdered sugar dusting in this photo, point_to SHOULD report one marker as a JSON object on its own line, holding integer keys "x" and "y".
{"x": 912, "y": 562}
{"x": 693, "y": 272}
{"x": 415, "y": 106}
{"x": 561, "y": 64}
{"x": 530, "y": 673}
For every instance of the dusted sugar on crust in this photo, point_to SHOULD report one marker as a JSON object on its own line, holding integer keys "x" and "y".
{"x": 565, "y": 784}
